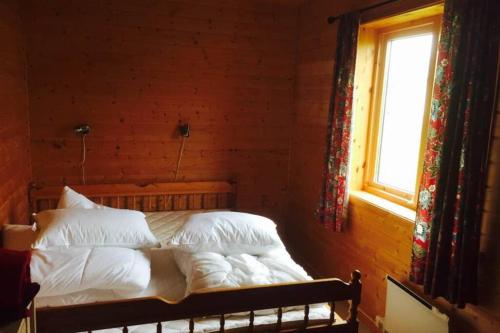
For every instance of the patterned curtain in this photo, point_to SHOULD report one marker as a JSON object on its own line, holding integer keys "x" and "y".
{"x": 447, "y": 229}
{"x": 332, "y": 209}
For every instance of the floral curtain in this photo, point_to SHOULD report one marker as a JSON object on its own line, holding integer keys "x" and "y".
{"x": 332, "y": 209}
{"x": 447, "y": 229}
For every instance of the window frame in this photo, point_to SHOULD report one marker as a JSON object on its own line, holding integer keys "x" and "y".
{"x": 384, "y": 35}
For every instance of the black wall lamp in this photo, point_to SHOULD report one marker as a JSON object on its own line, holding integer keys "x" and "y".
{"x": 82, "y": 130}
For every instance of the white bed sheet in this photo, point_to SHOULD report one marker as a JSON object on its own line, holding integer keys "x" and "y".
{"x": 168, "y": 281}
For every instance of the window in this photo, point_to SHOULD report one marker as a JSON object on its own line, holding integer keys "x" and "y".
{"x": 403, "y": 78}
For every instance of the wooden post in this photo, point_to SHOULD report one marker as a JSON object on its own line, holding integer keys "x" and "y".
{"x": 232, "y": 199}
{"x": 356, "y": 299}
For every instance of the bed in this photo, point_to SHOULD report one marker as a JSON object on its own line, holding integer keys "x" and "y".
{"x": 162, "y": 306}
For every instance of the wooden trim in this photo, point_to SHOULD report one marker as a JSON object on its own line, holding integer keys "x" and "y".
{"x": 401, "y": 8}
{"x": 102, "y": 315}
{"x": 374, "y": 201}
{"x": 408, "y": 17}
{"x": 149, "y": 197}
{"x": 427, "y": 24}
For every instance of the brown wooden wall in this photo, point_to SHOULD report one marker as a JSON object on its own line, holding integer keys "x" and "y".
{"x": 489, "y": 277}
{"x": 134, "y": 69}
{"x": 377, "y": 242}
{"x": 15, "y": 169}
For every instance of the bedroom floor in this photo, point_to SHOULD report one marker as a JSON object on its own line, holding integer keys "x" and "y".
{"x": 342, "y": 309}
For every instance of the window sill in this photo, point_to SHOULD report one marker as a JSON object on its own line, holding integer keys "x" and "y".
{"x": 386, "y": 205}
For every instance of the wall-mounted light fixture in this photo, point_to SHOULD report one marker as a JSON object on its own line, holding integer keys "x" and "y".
{"x": 184, "y": 131}
{"x": 82, "y": 130}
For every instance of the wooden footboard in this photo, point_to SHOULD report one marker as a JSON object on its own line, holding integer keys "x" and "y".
{"x": 125, "y": 313}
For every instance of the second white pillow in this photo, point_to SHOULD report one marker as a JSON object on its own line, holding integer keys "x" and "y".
{"x": 93, "y": 228}
{"x": 227, "y": 233}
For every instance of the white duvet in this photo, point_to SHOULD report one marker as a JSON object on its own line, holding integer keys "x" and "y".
{"x": 206, "y": 270}
{"x": 68, "y": 270}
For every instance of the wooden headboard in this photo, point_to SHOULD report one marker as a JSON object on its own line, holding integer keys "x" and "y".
{"x": 147, "y": 198}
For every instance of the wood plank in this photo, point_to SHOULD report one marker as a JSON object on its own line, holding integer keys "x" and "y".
{"x": 15, "y": 168}
{"x": 146, "y": 197}
{"x": 134, "y": 72}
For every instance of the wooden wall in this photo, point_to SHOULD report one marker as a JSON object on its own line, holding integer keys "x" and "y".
{"x": 489, "y": 277}
{"x": 134, "y": 69}
{"x": 377, "y": 242}
{"x": 15, "y": 169}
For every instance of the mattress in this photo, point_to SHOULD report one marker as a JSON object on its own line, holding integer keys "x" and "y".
{"x": 168, "y": 282}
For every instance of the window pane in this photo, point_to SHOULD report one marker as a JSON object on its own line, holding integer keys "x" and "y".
{"x": 403, "y": 106}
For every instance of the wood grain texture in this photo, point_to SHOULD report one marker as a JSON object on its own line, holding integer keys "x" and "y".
{"x": 155, "y": 197}
{"x": 489, "y": 293}
{"x": 15, "y": 168}
{"x": 135, "y": 69}
{"x": 376, "y": 242}
{"x": 235, "y": 70}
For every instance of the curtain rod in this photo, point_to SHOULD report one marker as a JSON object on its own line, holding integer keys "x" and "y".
{"x": 332, "y": 19}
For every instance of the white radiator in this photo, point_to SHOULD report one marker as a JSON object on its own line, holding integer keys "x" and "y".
{"x": 406, "y": 312}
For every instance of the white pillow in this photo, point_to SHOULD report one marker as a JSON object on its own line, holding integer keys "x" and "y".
{"x": 164, "y": 225}
{"x": 227, "y": 233}
{"x": 72, "y": 199}
{"x": 93, "y": 227}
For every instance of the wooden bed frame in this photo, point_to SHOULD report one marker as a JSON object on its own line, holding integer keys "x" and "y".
{"x": 191, "y": 196}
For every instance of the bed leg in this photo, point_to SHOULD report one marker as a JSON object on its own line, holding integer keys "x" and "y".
{"x": 356, "y": 299}
{"x": 222, "y": 323}
{"x": 191, "y": 325}
{"x": 251, "y": 324}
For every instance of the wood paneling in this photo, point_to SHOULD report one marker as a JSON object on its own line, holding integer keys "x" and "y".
{"x": 135, "y": 69}
{"x": 235, "y": 70}
{"x": 15, "y": 169}
{"x": 376, "y": 242}
{"x": 489, "y": 293}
